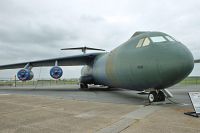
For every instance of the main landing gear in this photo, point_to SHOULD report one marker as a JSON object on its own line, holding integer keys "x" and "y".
{"x": 156, "y": 96}
{"x": 83, "y": 86}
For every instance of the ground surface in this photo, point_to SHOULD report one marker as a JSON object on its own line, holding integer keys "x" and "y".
{"x": 64, "y": 109}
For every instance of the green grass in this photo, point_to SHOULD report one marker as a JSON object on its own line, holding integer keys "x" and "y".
{"x": 191, "y": 80}
{"x": 38, "y": 82}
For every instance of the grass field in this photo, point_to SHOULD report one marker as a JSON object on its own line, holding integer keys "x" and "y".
{"x": 38, "y": 82}
{"x": 191, "y": 80}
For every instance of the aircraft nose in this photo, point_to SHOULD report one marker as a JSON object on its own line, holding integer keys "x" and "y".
{"x": 175, "y": 64}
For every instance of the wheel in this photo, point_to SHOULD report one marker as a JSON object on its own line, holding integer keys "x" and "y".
{"x": 153, "y": 97}
{"x": 86, "y": 85}
{"x": 161, "y": 96}
{"x": 83, "y": 86}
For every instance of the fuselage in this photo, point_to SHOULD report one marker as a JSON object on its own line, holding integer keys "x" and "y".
{"x": 146, "y": 60}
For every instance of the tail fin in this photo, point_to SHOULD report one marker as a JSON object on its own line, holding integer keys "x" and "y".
{"x": 83, "y": 49}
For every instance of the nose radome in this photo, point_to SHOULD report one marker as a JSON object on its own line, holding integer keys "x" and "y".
{"x": 176, "y": 66}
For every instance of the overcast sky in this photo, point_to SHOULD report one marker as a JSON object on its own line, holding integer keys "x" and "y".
{"x": 37, "y": 29}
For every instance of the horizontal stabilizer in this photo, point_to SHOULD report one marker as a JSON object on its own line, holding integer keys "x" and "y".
{"x": 83, "y": 49}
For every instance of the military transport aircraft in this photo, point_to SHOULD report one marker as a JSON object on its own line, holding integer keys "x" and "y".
{"x": 149, "y": 61}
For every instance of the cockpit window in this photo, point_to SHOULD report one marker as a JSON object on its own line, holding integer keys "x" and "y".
{"x": 143, "y": 42}
{"x": 146, "y": 42}
{"x": 140, "y": 43}
{"x": 170, "y": 38}
{"x": 158, "y": 39}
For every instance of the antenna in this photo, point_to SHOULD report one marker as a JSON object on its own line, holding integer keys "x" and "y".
{"x": 83, "y": 49}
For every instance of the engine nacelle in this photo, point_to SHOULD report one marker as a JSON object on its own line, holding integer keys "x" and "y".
{"x": 56, "y": 72}
{"x": 25, "y": 74}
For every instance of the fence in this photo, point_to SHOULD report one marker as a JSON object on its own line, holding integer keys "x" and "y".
{"x": 17, "y": 83}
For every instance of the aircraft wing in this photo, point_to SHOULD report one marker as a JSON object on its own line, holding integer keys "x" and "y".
{"x": 197, "y": 61}
{"x": 76, "y": 60}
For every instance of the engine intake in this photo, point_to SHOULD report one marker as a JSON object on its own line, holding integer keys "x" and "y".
{"x": 56, "y": 72}
{"x": 25, "y": 74}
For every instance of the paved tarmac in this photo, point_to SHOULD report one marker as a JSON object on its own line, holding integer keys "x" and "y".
{"x": 99, "y": 94}
{"x": 67, "y": 109}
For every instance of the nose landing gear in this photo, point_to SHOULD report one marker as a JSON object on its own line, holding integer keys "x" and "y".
{"x": 156, "y": 96}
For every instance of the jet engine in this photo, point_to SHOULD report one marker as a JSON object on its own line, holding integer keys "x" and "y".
{"x": 56, "y": 72}
{"x": 25, "y": 74}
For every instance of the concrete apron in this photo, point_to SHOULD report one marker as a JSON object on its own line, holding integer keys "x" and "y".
{"x": 129, "y": 119}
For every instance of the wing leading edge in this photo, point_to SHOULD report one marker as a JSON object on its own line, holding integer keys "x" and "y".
{"x": 197, "y": 61}
{"x": 76, "y": 60}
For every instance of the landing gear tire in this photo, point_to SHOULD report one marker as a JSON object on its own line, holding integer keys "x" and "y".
{"x": 156, "y": 96}
{"x": 153, "y": 97}
{"x": 83, "y": 86}
{"x": 161, "y": 96}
